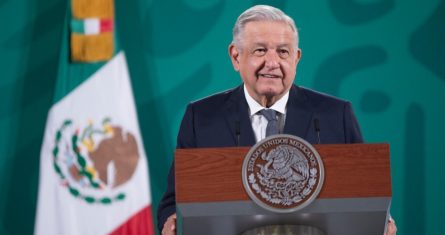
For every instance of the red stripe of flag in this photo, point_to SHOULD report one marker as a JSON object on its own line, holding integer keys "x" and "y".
{"x": 106, "y": 25}
{"x": 139, "y": 224}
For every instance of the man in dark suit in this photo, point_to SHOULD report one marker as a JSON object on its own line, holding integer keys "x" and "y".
{"x": 265, "y": 52}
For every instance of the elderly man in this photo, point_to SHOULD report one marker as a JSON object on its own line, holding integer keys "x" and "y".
{"x": 265, "y": 52}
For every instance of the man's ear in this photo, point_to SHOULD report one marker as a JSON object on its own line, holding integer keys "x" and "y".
{"x": 298, "y": 56}
{"x": 234, "y": 56}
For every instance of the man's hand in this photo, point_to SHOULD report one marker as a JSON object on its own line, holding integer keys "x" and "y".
{"x": 170, "y": 226}
{"x": 391, "y": 228}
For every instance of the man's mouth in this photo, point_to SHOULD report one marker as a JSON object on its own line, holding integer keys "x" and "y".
{"x": 265, "y": 75}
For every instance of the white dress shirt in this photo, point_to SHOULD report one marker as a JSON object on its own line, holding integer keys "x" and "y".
{"x": 259, "y": 122}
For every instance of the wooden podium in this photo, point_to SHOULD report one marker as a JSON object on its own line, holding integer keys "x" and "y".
{"x": 355, "y": 197}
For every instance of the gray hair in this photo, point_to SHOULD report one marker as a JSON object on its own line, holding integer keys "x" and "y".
{"x": 261, "y": 13}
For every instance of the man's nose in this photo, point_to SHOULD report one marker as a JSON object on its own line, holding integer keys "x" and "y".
{"x": 272, "y": 60}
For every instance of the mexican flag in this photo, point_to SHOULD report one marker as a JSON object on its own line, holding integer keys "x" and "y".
{"x": 93, "y": 167}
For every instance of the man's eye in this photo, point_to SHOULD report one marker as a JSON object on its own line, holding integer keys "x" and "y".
{"x": 283, "y": 53}
{"x": 259, "y": 51}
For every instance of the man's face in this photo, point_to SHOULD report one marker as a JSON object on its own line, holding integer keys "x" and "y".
{"x": 266, "y": 59}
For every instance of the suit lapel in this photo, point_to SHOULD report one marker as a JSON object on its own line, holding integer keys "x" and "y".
{"x": 298, "y": 114}
{"x": 237, "y": 112}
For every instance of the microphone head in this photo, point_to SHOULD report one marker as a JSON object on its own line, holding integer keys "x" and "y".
{"x": 237, "y": 128}
{"x": 317, "y": 125}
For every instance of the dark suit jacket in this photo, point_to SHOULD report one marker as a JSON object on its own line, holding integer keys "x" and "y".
{"x": 222, "y": 120}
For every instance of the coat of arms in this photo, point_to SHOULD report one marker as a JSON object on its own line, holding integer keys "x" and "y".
{"x": 94, "y": 160}
{"x": 283, "y": 173}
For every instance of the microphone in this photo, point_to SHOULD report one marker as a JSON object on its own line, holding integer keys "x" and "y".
{"x": 317, "y": 128}
{"x": 237, "y": 132}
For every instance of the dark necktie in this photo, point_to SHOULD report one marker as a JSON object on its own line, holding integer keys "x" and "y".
{"x": 272, "y": 121}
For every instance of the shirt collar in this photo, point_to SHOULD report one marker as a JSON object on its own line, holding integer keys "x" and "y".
{"x": 255, "y": 107}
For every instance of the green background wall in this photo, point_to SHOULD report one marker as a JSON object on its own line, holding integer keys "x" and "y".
{"x": 386, "y": 56}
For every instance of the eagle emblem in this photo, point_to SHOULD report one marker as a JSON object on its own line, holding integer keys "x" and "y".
{"x": 283, "y": 173}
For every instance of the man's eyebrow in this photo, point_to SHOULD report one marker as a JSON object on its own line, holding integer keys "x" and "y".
{"x": 262, "y": 44}
{"x": 283, "y": 45}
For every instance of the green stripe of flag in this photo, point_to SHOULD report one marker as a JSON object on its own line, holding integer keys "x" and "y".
{"x": 77, "y": 26}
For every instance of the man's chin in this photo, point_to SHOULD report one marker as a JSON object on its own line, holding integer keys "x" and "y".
{"x": 271, "y": 90}
{"x": 271, "y": 94}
